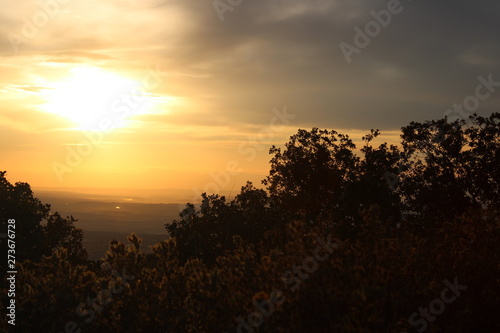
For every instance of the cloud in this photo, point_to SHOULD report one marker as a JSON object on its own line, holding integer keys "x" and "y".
{"x": 227, "y": 76}
{"x": 270, "y": 52}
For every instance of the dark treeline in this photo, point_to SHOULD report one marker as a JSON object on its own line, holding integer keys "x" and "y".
{"x": 397, "y": 238}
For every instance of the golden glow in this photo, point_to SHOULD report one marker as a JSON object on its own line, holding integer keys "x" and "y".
{"x": 90, "y": 96}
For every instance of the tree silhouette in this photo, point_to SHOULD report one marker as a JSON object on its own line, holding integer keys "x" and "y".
{"x": 460, "y": 169}
{"x": 208, "y": 231}
{"x": 37, "y": 231}
{"x": 356, "y": 251}
{"x": 17, "y": 202}
{"x": 60, "y": 233}
{"x": 313, "y": 172}
{"x": 442, "y": 170}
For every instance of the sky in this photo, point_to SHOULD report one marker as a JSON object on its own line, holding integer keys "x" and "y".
{"x": 191, "y": 94}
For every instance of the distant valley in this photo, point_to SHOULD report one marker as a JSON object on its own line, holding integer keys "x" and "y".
{"x": 103, "y": 218}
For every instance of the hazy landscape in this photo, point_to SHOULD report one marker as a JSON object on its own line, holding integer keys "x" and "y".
{"x": 106, "y": 217}
{"x": 250, "y": 166}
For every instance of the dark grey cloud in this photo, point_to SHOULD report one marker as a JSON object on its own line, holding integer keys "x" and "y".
{"x": 265, "y": 51}
{"x": 269, "y": 53}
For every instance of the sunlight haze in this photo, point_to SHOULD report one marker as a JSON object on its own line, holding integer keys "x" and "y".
{"x": 170, "y": 93}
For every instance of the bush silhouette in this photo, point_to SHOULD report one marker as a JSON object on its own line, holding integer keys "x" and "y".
{"x": 38, "y": 231}
{"x": 396, "y": 242}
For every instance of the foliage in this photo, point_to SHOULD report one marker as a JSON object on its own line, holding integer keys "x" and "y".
{"x": 38, "y": 232}
{"x": 17, "y": 202}
{"x": 207, "y": 232}
{"x": 60, "y": 233}
{"x": 460, "y": 169}
{"x": 371, "y": 283}
{"x": 225, "y": 258}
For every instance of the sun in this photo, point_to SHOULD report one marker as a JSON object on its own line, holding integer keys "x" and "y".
{"x": 91, "y": 96}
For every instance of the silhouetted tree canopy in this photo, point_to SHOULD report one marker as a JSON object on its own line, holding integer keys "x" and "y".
{"x": 206, "y": 232}
{"x": 459, "y": 170}
{"x": 38, "y": 232}
{"x": 441, "y": 171}
{"x": 403, "y": 219}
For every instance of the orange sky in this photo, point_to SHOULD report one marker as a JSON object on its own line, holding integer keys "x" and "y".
{"x": 163, "y": 94}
